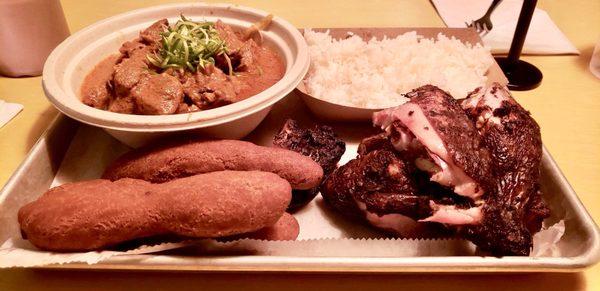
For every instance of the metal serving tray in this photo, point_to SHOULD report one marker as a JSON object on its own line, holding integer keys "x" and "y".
{"x": 579, "y": 247}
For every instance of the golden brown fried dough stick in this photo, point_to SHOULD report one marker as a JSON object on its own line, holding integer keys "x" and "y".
{"x": 286, "y": 228}
{"x": 161, "y": 163}
{"x": 99, "y": 213}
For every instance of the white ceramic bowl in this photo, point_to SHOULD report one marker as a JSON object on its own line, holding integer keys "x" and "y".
{"x": 68, "y": 64}
{"x": 332, "y": 111}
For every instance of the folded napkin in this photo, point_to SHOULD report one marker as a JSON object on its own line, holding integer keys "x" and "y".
{"x": 8, "y": 111}
{"x": 543, "y": 36}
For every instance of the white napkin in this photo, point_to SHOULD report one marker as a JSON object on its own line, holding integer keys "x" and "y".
{"x": 8, "y": 111}
{"x": 543, "y": 36}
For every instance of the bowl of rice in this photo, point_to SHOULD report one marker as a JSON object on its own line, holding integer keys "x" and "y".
{"x": 355, "y": 72}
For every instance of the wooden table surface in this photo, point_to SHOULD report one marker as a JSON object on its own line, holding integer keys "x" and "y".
{"x": 566, "y": 105}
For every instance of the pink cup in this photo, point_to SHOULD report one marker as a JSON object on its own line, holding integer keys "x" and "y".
{"x": 29, "y": 31}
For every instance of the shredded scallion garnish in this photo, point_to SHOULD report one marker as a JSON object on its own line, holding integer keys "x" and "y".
{"x": 190, "y": 45}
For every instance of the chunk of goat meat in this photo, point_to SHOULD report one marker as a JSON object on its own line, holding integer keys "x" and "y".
{"x": 130, "y": 71}
{"x": 128, "y": 48}
{"x": 148, "y": 40}
{"x": 152, "y": 34}
{"x": 210, "y": 89}
{"x": 227, "y": 34}
{"x": 157, "y": 94}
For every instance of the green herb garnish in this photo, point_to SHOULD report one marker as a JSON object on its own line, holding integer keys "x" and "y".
{"x": 190, "y": 45}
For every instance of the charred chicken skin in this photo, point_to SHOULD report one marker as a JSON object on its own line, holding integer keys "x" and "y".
{"x": 516, "y": 209}
{"x": 437, "y": 136}
{"x": 381, "y": 187}
{"x": 320, "y": 143}
{"x": 470, "y": 166}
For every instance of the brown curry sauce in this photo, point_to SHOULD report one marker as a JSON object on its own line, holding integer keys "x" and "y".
{"x": 128, "y": 83}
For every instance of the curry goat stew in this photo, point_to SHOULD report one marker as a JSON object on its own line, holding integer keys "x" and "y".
{"x": 190, "y": 66}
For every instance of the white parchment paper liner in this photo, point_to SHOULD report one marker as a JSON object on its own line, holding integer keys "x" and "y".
{"x": 322, "y": 232}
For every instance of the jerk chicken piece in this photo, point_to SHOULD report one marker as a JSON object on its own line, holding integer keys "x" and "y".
{"x": 489, "y": 154}
{"x": 433, "y": 131}
{"x": 379, "y": 186}
{"x": 516, "y": 210}
{"x": 320, "y": 143}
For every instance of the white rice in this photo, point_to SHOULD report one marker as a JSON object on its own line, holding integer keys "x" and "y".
{"x": 375, "y": 73}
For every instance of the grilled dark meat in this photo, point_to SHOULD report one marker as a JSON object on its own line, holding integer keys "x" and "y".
{"x": 516, "y": 210}
{"x": 430, "y": 133}
{"x": 489, "y": 152}
{"x": 319, "y": 143}
{"x": 472, "y": 166}
{"x": 424, "y": 187}
{"x": 338, "y": 189}
{"x": 433, "y": 132}
{"x": 377, "y": 187}
{"x": 434, "y": 120}
{"x": 376, "y": 142}
{"x": 536, "y": 211}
